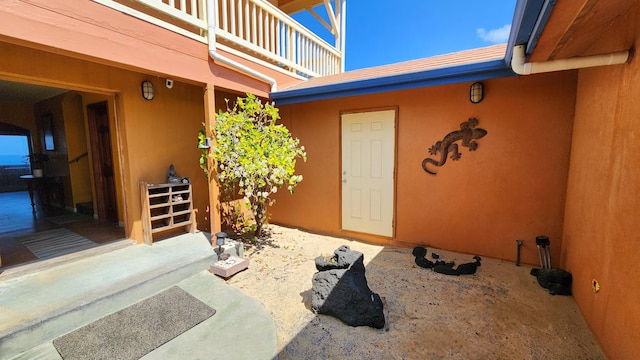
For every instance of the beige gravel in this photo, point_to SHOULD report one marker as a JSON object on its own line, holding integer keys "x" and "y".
{"x": 499, "y": 313}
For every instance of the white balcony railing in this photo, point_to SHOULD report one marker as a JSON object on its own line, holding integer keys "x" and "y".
{"x": 253, "y": 27}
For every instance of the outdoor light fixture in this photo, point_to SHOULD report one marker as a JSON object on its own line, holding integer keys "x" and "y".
{"x": 476, "y": 92}
{"x": 147, "y": 90}
{"x": 220, "y": 239}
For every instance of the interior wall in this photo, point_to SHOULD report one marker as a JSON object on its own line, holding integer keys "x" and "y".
{"x": 512, "y": 187}
{"x": 19, "y": 114}
{"x": 58, "y": 163}
{"x": 602, "y": 212}
{"x": 75, "y": 133}
{"x": 79, "y": 185}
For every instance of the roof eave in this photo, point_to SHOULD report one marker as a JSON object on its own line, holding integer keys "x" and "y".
{"x": 529, "y": 19}
{"x": 442, "y": 76}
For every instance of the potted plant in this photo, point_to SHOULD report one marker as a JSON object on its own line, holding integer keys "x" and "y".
{"x": 37, "y": 161}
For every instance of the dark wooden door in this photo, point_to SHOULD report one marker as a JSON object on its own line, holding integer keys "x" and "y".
{"x": 100, "y": 133}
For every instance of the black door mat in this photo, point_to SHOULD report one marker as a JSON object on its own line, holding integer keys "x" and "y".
{"x": 136, "y": 330}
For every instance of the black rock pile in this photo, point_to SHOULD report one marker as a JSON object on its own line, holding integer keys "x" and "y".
{"x": 340, "y": 289}
{"x": 444, "y": 267}
{"x": 557, "y": 281}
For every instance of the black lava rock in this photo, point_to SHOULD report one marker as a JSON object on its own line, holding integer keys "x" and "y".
{"x": 557, "y": 281}
{"x": 469, "y": 268}
{"x": 340, "y": 289}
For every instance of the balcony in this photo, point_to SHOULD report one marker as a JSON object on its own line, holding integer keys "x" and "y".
{"x": 249, "y": 27}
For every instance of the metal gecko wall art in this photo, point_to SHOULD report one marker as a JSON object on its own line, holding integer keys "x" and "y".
{"x": 468, "y": 133}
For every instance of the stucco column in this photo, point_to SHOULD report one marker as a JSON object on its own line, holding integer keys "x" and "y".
{"x": 214, "y": 192}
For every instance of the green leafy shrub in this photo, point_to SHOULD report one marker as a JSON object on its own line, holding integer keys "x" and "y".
{"x": 254, "y": 155}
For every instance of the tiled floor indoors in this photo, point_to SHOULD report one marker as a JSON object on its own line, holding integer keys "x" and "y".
{"x": 18, "y": 218}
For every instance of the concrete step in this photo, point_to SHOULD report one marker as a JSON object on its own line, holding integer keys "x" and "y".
{"x": 237, "y": 317}
{"x": 42, "y": 305}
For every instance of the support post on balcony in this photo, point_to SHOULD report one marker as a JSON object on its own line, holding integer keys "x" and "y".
{"x": 341, "y": 9}
{"x": 214, "y": 192}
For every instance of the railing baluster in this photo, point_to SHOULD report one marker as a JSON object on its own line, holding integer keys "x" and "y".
{"x": 264, "y": 25}
{"x": 285, "y": 41}
{"x": 194, "y": 8}
{"x": 309, "y": 61}
{"x": 252, "y": 26}
{"x": 304, "y": 45}
{"x": 290, "y": 47}
{"x": 316, "y": 55}
{"x": 232, "y": 15}
{"x": 278, "y": 35}
{"x": 298, "y": 45}
{"x": 225, "y": 18}
{"x": 260, "y": 32}
{"x": 272, "y": 35}
{"x": 247, "y": 28}
{"x": 307, "y": 56}
{"x": 240, "y": 21}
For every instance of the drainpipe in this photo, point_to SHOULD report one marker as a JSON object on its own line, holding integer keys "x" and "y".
{"x": 520, "y": 67}
{"x": 211, "y": 17}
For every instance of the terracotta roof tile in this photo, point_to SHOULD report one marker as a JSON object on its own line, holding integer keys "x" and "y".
{"x": 493, "y": 52}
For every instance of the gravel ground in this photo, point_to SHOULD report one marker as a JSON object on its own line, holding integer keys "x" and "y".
{"x": 499, "y": 313}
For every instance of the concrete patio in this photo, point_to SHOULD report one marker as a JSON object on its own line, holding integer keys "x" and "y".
{"x": 42, "y": 301}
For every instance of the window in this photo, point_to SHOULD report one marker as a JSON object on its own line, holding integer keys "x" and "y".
{"x": 14, "y": 149}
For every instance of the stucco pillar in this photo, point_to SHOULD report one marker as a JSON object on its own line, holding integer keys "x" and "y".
{"x": 214, "y": 192}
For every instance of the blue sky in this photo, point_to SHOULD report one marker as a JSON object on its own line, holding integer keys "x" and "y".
{"x": 381, "y": 32}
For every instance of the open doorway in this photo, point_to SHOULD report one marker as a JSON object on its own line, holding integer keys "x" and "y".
{"x": 59, "y": 124}
{"x": 103, "y": 172}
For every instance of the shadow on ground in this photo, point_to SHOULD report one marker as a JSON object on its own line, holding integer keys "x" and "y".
{"x": 500, "y": 312}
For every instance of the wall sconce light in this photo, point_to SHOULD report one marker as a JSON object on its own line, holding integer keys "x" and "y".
{"x": 476, "y": 92}
{"x": 147, "y": 90}
{"x": 205, "y": 143}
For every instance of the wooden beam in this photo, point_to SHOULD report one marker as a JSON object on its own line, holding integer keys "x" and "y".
{"x": 332, "y": 17}
{"x": 321, "y": 20}
{"x": 294, "y": 6}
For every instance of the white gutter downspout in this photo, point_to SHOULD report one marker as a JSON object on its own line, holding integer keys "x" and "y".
{"x": 520, "y": 67}
{"x": 211, "y": 27}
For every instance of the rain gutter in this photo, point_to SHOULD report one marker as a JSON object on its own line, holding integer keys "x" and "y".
{"x": 447, "y": 75}
{"x": 211, "y": 27}
{"x": 529, "y": 20}
{"x": 521, "y": 67}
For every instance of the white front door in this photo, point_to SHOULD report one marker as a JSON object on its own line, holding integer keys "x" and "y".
{"x": 368, "y": 162}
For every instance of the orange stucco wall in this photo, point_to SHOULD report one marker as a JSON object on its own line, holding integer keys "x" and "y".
{"x": 77, "y": 29}
{"x": 512, "y": 187}
{"x": 147, "y": 135}
{"x": 163, "y": 132}
{"x": 601, "y": 240}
